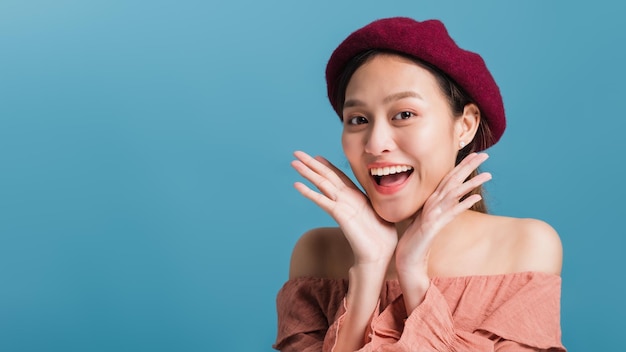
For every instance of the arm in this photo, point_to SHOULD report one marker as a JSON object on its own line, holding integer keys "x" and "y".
{"x": 371, "y": 239}
{"x": 310, "y": 313}
{"x": 439, "y": 209}
{"x": 314, "y": 256}
{"x": 365, "y": 284}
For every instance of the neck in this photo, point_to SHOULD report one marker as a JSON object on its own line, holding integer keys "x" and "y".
{"x": 402, "y": 225}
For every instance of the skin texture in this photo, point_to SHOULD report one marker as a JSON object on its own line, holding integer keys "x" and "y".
{"x": 395, "y": 114}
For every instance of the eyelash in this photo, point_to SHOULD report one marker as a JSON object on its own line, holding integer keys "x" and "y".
{"x": 353, "y": 120}
{"x": 359, "y": 120}
{"x": 402, "y": 115}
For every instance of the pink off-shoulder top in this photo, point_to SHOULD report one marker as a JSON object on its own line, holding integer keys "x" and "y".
{"x": 508, "y": 312}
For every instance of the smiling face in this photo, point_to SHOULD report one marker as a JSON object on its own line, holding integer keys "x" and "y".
{"x": 399, "y": 134}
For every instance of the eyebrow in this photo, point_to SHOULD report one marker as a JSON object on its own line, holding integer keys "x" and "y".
{"x": 396, "y": 96}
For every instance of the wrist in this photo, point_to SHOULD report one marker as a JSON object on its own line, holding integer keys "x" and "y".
{"x": 414, "y": 284}
{"x": 372, "y": 269}
{"x": 380, "y": 257}
{"x": 411, "y": 265}
{"x": 365, "y": 284}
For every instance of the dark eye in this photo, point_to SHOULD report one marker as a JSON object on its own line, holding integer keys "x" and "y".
{"x": 403, "y": 115}
{"x": 357, "y": 120}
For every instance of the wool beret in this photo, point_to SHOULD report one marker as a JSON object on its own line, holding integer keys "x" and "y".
{"x": 430, "y": 42}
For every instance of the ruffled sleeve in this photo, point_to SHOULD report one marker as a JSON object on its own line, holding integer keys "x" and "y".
{"x": 306, "y": 308}
{"x": 518, "y": 312}
{"x": 531, "y": 315}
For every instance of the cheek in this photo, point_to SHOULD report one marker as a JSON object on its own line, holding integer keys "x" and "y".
{"x": 351, "y": 146}
{"x": 353, "y": 150}
{"x": 430, "y": 140}
{"x": 433, "y": 156}
{"x": 418, "y": 143}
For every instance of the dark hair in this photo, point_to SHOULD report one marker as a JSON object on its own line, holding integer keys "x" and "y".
{"x": 457, "y": 98}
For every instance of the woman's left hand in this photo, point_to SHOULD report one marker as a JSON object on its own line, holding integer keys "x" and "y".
{"x": 438, "y": 210}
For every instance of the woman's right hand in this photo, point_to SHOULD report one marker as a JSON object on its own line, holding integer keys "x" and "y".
{"x": 373, "y": 240}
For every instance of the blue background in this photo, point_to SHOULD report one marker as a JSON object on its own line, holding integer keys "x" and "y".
{"x": 146, "y": 199}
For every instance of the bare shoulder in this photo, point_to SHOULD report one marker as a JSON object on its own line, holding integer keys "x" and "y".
{"x": 535, "y": 245}
{"x": 321, "y": 252}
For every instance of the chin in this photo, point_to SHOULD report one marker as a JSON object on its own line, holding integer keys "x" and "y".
{"x": 395, "y": 213}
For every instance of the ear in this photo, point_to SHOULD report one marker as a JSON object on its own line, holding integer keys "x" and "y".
{"x": 467, "y": 125}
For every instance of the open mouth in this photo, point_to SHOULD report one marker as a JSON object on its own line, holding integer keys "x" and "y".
{"x": 391, "y": 175}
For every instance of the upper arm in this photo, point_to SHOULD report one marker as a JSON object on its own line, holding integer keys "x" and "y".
{"x": 304, "y": 261}
{"x": 539, "y": 247}
{"x": 321, "y": 252}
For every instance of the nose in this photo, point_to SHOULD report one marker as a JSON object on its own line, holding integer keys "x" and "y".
{"x": 379, "y": 139}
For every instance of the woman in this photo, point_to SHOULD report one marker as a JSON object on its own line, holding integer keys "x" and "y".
{"x": 416, "y": 263}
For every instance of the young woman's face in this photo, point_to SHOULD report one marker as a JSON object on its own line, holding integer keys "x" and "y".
{"x": 399, "y": 134}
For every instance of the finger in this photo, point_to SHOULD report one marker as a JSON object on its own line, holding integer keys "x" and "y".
{"x": 322, "y": 201}
{"x": 319, "y": 168}
{"x": 322, "y": 183}
{"x": 452, "y": 210}
{"x": 450, "y": 198}
{"x": 470, "y": 185}
{"x": 456, "y": 169}
{"x": 464, "y": 169}
{"x": 466, "y": 204}
{"x": 339, "y": 173}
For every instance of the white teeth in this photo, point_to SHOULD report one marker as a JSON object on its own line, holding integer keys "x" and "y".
{"x": 389, "y": 170}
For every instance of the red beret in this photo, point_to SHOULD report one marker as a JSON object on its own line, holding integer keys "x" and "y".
{"x": 428, "y": 41}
